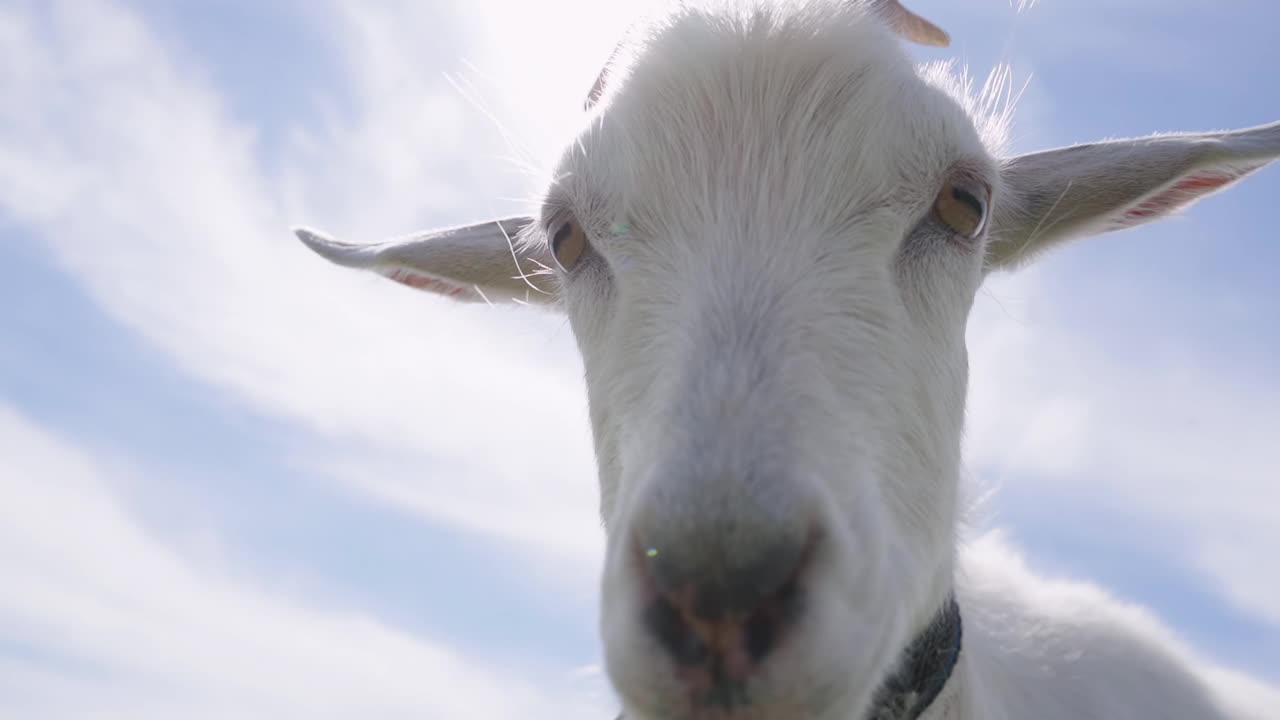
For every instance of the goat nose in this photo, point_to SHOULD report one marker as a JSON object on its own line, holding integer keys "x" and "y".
{"x": 725, "y": 609}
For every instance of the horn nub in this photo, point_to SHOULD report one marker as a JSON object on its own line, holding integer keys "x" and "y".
{"x": 910, "y": 25}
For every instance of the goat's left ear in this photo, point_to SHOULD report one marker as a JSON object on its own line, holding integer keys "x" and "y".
{"x": 484, "y": 262}
{"x": 1071, "y": 192}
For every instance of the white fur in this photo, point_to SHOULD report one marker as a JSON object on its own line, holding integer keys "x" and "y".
{"x": 772, "y": 323}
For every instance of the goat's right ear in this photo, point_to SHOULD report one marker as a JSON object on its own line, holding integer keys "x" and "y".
{"x": 483, "y": 262}
{"x": 1056, "y": 195}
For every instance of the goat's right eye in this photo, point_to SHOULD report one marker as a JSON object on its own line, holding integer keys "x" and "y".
{"x": 568, "y": 243}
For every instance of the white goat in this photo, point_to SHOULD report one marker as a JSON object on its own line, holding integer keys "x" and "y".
{"x": 767, "y": 238}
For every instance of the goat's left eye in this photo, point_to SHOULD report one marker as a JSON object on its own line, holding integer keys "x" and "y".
{"x": 568, "y": 243}
{"x": 962, "y": 206}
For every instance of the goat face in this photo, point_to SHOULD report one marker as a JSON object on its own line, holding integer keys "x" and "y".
{"x": 767, "y": 241}
{"x": 769, "y": 244}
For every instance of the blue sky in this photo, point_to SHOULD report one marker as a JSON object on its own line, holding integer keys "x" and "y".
{"x": 235, "y": 480}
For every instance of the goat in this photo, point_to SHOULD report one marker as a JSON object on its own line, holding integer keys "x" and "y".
{"x": 767, "y": 238}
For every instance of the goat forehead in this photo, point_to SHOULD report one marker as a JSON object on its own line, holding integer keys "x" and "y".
{"x": 769, "y": 113}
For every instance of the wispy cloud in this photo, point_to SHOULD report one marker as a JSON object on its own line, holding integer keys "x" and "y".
{"x": 154, "y": 199}
{"x": 116, "y": 622}
{"x": 1137, "y": 424}
{"x": 163, "y": 202}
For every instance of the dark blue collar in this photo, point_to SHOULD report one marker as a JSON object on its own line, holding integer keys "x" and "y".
{"x": 924, "y": 670}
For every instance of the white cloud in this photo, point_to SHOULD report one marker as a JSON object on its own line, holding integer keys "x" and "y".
{"x": 151, "y": 196}
{"x": 124, "y": 627}
{"x": 1245, "y": 697}
{"x": 1177, "y": 438}
{"x": 1238, "y": 556}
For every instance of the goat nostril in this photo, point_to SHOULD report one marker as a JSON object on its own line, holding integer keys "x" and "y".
{"x": 763, "y": 627}
{"x": 669, "y": 625}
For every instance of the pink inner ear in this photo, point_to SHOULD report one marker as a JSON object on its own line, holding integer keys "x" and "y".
{"x": 1179, "y": 194}
{"x": 418, "y": 281}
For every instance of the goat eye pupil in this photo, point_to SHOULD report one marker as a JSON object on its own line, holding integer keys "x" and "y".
{"x": 567, "y": 244}
{"x": 560, "y": 235}
{"x": 968, "y": 199}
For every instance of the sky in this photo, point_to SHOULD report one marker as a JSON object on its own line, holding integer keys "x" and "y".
{"x": 237, "y": 481}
